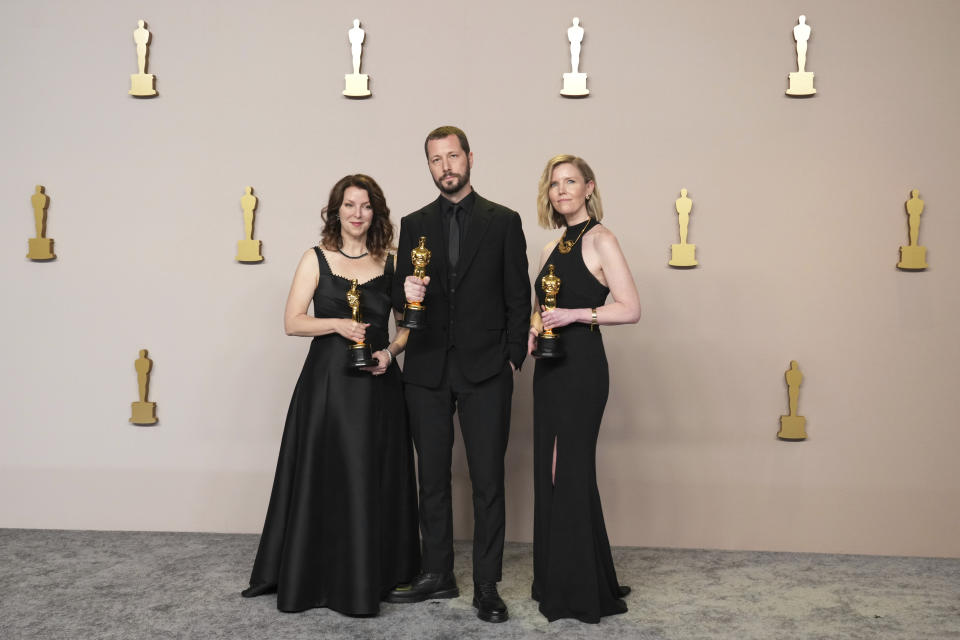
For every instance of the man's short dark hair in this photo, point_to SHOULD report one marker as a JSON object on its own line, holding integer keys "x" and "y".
{"x": 442, "y": 132}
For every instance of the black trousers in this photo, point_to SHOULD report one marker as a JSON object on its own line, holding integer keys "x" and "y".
{"x": 484, "y": 411}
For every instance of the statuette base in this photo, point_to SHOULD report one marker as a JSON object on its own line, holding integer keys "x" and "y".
{"x": 248, "y": 251}
{"x": 801, "y": 84}
{"x": 143, "y": 413}
{"x": 414, "y": 316}
{"x": 548, "y": 347}
{"x": 793, "y": 428}
{"x": 40, "y": 249}
{"x": 683, "y": 255}
{"x": 356, "y": 85}
{"x": 359, "y": 356}
{"x": 141, "y": 85}
{"x": 913, "y": 258}
{"x": 574, "y": 84}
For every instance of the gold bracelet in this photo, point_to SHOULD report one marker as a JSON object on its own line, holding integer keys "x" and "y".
{"x": 593, "y": 318}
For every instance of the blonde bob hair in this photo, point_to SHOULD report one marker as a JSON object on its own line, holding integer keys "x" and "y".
{"x": 546, "y": 216}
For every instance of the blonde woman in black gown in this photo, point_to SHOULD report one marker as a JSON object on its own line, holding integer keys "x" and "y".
{"x": 341, "y": 528}
{"x": 573, "y": 573}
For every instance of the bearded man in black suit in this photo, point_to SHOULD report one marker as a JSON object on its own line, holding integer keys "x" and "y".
{"x": 477, "y": 299}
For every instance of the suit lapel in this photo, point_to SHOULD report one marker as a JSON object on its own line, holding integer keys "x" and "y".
{"x": 433, "y": 230}
{"x": 479, "y": 221}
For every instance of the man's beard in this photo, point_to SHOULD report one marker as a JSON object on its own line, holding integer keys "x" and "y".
{"x": 456, "y": 186}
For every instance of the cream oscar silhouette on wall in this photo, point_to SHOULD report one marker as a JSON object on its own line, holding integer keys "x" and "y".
{"x": 793, "y": 426}
{"x": 801, "y": 82}
{"x": 913, "y": 257}
{"x": 683, "y": 254}
{"x": 248, "y": 249}
{"x": 142, "y": 83}
{"x": 356, "y": 82}
{"x": 143, "y": 412}
{"x": 41, "y": 247}
{"x": 575, "y": 83}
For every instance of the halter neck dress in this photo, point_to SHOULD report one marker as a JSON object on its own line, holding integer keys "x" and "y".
{"x": 573, "y": 573}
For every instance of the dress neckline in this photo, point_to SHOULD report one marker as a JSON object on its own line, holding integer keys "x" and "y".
{"x": 577, "y": 228}
{"x": 337, "y": 275}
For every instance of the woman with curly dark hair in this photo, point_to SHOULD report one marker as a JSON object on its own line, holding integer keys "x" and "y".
{"x": 341, "y": 529}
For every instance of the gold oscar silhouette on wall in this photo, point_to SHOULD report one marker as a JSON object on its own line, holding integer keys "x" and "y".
{"x": 41, "y": 247}
{"x": 801, "y": 81}
{"x": 142, "y": 83}
{"x": 913, "y": 257}
{"x": 143, "y": 412}
{"x": 793, "y": 426}
{"x": 683, "y": 255}
{"x": 248, "y": 249}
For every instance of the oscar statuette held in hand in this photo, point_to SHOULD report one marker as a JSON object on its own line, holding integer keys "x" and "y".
{"x": 358, "y": 354}
{"x": 548, "y": 342}
{"x": 414, "y": 313}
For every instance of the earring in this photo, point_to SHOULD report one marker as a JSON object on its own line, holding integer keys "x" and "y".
{"x": 588, "y": 197}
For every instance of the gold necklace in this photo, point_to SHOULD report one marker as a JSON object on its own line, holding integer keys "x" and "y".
{"x": 565, "y": 246}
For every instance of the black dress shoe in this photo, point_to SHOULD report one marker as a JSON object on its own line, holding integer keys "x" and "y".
{"x": 255, "y": 590}
{"x": 426, "y": 586}
{"x": 490, "y": 607}
{"x": 624, "y": 591}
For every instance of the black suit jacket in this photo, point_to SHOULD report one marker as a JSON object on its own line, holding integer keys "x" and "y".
{"x": 490, "y": 311}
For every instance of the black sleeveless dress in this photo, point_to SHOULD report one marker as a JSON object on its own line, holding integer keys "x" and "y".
{"x": 573, "y": 574}
{"x": 341, "y": 529}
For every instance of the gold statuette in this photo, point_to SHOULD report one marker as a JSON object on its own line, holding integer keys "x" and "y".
{"x": 248, "y": 249}
{"x": 420, "y": 257}
{"x": 683, "y": 255}
{"x": 415, "y": 314}
{"x": 548, "y": 342}
{"x": 142, "y": 83}
{"x": 913, "y": 257}
{"x": 143, "y": 412}
{"x": 41, "y": 247}
{"x": 793, "y": 427}
{"x": 358, "y": 354}
{"x": 801, "y": 82}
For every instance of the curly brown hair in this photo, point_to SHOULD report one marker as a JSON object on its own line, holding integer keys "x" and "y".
{"x": 380, "y": 233}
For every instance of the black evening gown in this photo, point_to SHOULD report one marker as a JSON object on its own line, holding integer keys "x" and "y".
{"x": 341, "y": 529}
{"x": 573, "y": 574}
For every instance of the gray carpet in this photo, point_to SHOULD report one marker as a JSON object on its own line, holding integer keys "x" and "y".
{"x": 84, "y": 584}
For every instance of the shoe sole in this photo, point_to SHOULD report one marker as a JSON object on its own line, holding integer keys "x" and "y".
{"x": 436, "y": 595}
{"x": 490, "y": 617}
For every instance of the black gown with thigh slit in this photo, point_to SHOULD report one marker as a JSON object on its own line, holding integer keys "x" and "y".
{"x": 573, "y": 574}
{"x": 341, "y": 529}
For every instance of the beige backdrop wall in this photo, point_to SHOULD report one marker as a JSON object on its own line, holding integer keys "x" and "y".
{"x": 798, "y": 214}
